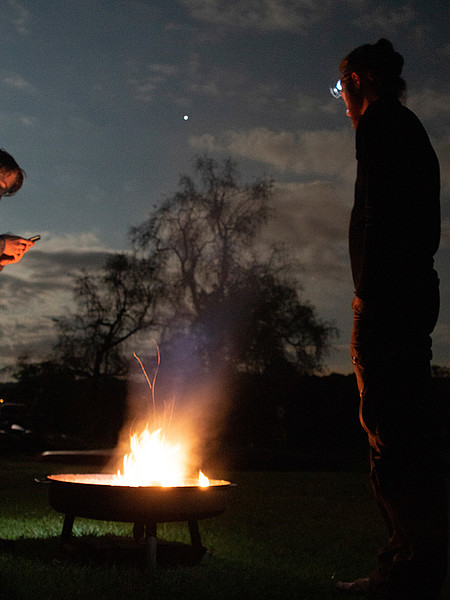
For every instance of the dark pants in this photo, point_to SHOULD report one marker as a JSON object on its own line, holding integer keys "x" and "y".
{"x": 391, "y": 352}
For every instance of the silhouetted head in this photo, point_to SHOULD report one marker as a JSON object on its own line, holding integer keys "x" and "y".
{"x": 379, "y": 68}
{"x": 369, "y": 73}
{"x": 11, "y": 175}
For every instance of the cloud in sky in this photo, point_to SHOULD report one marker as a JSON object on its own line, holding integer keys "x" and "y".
{"x": 310, "y": 220}
{"x": 386, "y": 18}
{"x": 18, "y": 82}
{"x": 430, "y": 103}
{"x": 442, "y": 148}
{"x": 445, "y": 235}
{"x": 300, "y": 16}
{"x": 147, "y": 80}
{"x": 19, "y": 16}
{"x": 198, "y": 77}
{"x": 307, "y": 152}
{"x": 260, "y": 15}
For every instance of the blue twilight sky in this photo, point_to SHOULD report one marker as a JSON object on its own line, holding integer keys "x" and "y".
{"x": 93, "y": 95}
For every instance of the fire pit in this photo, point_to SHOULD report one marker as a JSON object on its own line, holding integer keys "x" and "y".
{"x": 98, "y": 496}
{"x": 153, "y": 485}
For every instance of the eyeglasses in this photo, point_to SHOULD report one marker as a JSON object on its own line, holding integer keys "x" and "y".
{"x": 336, "y": 90}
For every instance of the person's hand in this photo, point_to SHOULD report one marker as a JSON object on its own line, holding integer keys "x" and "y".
{"x": 15, "y": 248}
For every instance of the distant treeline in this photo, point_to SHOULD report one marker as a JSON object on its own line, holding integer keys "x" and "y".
{"x": 286, "y": 422}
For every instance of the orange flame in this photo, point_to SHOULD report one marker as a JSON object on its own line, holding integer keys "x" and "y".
{"x": 203, "y": 481}
{"x": 152, "y": 459}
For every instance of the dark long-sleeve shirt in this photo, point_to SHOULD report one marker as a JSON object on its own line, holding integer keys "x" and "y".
{"x": 395, "y": 221}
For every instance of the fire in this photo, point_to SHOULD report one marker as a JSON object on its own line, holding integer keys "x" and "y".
{"x": 203, "y": 481}
{"x": 155, "y": 461}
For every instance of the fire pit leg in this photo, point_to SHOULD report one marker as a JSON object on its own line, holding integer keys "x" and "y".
{"x": 150, "y": 540}
{"x": 138, "y": 531}
{"x": 67, "y": 527}
{"x": 195, "y": 534}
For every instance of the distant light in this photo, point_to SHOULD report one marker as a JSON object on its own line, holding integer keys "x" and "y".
{"x": 186, "y": 117}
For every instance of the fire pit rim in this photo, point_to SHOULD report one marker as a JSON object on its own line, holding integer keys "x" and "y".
{"x": 69, "y": 479}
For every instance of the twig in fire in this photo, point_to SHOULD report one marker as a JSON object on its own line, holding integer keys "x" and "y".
{"x": 152, "y": 385}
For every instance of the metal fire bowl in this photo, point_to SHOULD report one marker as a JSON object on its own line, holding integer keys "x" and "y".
{"x": 93, "y": 496}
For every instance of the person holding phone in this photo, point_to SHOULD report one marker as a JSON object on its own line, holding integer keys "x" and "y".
{"x": 12, "y": 247}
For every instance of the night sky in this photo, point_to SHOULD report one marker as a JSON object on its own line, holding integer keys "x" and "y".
{"x": 94, "y": 95}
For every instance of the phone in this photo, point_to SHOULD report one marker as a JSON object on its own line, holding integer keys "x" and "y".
{"x": 35, "y": 238}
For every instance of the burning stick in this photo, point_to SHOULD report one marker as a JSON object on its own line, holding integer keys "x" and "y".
{"x": 150, "y": 384}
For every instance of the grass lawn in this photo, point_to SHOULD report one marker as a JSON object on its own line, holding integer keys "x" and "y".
{"x": 284, "y": 535}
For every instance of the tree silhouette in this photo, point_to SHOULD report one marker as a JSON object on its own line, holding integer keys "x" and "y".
{"x": 112, "y": 307}
{"x": 225, "y": 301}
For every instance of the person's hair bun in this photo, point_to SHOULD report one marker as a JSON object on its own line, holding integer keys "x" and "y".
{"x": 387, "y": 57}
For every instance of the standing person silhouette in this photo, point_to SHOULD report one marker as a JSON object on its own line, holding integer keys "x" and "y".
{"x": 394, "y": 235}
